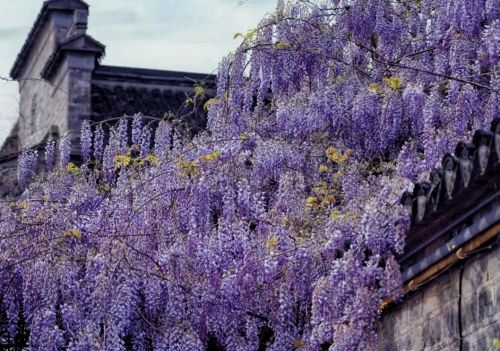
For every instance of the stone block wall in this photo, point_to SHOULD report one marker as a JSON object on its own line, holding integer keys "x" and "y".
{"x": 43, "y": 104}
{"x": 430, "y": 318}
{"x": 8, "y": 164}
{"x": 79, "y": 75}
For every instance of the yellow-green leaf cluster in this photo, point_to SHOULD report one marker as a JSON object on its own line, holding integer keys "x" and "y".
{"x": 23, "y": 205}
{"x": 376, "y": 88}
{"x": 390, "y": 84}
{"x": 199, "y": 90}
{"x": 394, "y": 83}
{"x": 211, "y": 156}
{"x": 211, "y": 102}
{"x": 189, "y": 168}
{"x": 271, "y": 244}
{"x": 245, "y": 136}
{"x": 324, "y": 197}
{"x": 336, "y": 215}
{"x": 280, "y": 45}
{"x": 336, "y": 156}
{"x": 298, "y": 344}
{"x": 496, "y": 342}
{"x": 72, "y": 169}
{"x": 250, "y": 34}
{"x": 121, "y": 161}
{"x": 72, "y": 233}
{"x": 312, "y": 202}
{"x": 151, "y": 159}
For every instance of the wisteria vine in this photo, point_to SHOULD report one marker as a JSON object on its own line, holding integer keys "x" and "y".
{"x": 277, "y": 228}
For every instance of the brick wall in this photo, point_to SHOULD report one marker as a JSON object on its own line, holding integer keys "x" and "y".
{"x": 428, "y": 319}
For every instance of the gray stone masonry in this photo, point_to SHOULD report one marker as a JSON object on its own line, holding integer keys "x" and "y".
{"x": 61, "y": 100}
{"x": 428, "y": 319}
{"x": 62, "y": 83}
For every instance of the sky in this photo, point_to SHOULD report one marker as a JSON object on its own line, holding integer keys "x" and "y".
{"x": 179, "y": 35}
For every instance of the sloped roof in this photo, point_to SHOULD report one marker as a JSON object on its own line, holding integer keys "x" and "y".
{"x": 47, "y": 7}
{"x": 114, "y": 101}
{"x": 118, "y": 91}
{"x": 153, "y": 76}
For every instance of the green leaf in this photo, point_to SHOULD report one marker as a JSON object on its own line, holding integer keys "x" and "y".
{"x": 282, "y": 45}
{"x": 199, "y": 90}
{"x": 496, "y": 342}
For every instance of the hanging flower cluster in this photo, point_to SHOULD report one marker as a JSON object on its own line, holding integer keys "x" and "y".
{"x": 278, "y": 228}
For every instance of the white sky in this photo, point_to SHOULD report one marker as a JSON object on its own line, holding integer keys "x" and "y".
{"x": 183, "y": 35}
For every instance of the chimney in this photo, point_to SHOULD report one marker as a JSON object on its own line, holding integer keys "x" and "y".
{"x": 79, "y": 23}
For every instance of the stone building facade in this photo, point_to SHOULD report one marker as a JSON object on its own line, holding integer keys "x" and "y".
{"x": 62, "y": 82}
{"x": 451, "y": 264}
{"x": 462, "y": 302}
{"x": 451, "y": 267}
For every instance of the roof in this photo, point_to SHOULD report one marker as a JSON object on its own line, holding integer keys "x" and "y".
{"x": 118, "y": 91}
{"x": 460, "y": 199}
{"x": 461, "y": 179}
{"x": 153, "y": 76}
{"x": 47, "y": 7}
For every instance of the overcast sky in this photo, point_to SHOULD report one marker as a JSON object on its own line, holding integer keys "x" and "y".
{"x": 183, "y": 35}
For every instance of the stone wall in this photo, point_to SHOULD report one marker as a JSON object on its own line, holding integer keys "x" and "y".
{"x": 79, "y": 74}
{"x": 429, "y": 318}
{"x": 43, "y": 104}
{"x": 8, "y": 164}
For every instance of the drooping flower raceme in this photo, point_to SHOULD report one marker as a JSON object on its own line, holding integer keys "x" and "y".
{"x": 277, "y": 228}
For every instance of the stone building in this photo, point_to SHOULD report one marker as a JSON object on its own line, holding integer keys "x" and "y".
{"x": 62, "y": 82}
{"x": 451, "y": 264}
{"x": 451, "y": 267}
